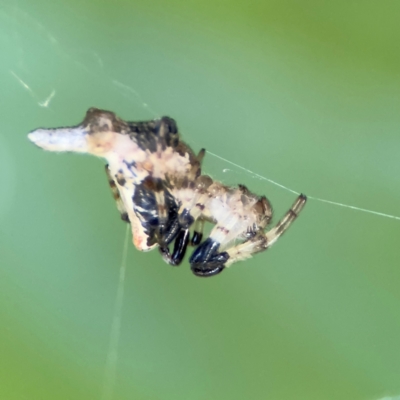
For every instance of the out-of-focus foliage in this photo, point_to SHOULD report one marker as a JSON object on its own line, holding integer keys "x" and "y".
{"x": 305, "y": 93}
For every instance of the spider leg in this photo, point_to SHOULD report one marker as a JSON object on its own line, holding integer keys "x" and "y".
{"x": 190, "y": 190}
{"x": 187, "y": 217}
{"x": 116, "y": 195}
{"x": 166, "y": 226}
{"x": 264, "y": 240}
{"x": 208, "y": 260}
{"x": 197, "y": 232}
{"x": 157, "y": 211}
{"x": 191, "y": 214}
{"x": 175, "y": 231}
{"x": 282, "y": 226}
{"x": 180, "y": 246}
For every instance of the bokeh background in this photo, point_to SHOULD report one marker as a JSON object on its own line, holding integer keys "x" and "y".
{"x": 305, "y": 93}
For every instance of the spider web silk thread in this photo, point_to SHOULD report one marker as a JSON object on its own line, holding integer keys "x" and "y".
{"x": 334, "y": 203}
{"x": 110, "y": 370}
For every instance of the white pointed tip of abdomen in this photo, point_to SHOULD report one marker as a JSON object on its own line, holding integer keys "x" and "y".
{"x": 61, "y": 139}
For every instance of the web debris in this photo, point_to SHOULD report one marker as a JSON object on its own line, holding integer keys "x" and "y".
{"x": 45, "y": 103}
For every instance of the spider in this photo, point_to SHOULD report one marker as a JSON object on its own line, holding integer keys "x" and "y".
{"x": 159, "y": 189}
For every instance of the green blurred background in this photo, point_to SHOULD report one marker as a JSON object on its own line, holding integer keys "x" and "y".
{"x": 305, "y": 93}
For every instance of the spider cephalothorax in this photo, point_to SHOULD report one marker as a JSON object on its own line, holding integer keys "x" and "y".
{"x": 158, "y": 186}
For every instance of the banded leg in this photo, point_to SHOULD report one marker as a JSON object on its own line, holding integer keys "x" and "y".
{"x": 157, "y": 211}
{"x": 116, "y": 195}
{"x": 238, "y": 213}
{"x": 208, "y": 261}
{"x": 192, "y": 187}
{"x": 181, "y": 243}
{"x": 282, "y": 226}
{"x": 164, "y": 220}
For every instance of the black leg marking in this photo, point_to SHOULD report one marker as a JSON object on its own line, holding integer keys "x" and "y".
{"x": 197, "y": 232}
{"x": 170, "y": 228}
{"x": 206, "y": 261}
{"x": 180, "y": 246}
{"x": 185, "y": 219}
{"x": 196, "y": 238}
{"x": 145, "y": 206}
{"x": 158, "y": 213}
{"x": 205, "y": 273}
